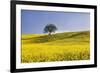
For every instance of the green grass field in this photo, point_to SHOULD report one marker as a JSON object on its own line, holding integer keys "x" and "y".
{"x": 65, "y": 46}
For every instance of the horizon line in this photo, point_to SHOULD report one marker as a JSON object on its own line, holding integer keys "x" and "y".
{"x": 56, "y": 32}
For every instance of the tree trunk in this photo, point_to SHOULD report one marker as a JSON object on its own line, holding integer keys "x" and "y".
{"x": 49, "y": 33}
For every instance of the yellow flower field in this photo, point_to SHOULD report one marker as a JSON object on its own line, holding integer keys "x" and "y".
{"x": 65, "y": 46}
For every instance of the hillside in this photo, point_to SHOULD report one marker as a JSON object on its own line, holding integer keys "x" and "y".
{"x": 58, "y": 37}
{"x": 67, "y": 46}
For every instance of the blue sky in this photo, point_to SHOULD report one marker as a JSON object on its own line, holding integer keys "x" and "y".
{"x": 33, "y": 22}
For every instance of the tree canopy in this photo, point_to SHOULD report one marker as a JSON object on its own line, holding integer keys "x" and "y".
{"x": 49, "y": 28}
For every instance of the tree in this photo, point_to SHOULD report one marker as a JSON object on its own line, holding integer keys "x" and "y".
{"x": 49, "y": 28}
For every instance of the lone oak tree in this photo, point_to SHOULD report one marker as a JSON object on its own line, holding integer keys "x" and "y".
{"x": 49, "y": 28}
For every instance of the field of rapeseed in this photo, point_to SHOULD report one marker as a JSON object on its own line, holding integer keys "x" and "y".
{"x": 67, "y": 46}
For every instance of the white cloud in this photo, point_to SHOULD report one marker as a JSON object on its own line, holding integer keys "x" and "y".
{"x": 60, "y": 31}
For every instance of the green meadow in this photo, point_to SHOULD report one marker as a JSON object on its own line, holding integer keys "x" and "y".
{"x": 66, "y": 46}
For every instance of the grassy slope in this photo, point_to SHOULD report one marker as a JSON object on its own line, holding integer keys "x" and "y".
{"x": 57, "y": 47}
